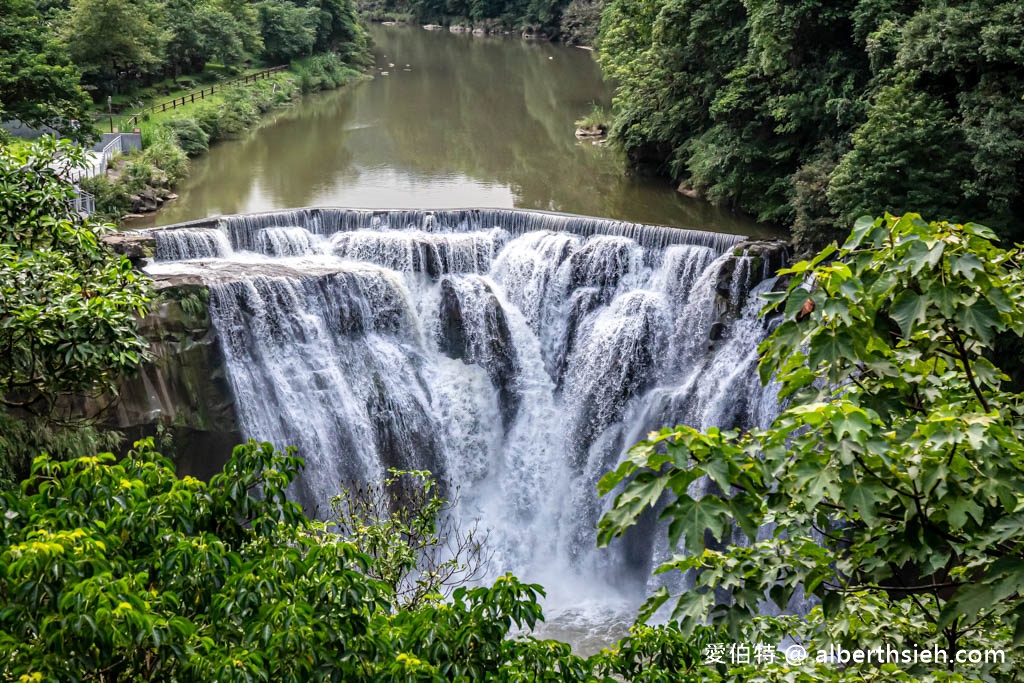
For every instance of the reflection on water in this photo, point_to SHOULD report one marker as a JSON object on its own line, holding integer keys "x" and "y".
{"x": 470, "y": 122}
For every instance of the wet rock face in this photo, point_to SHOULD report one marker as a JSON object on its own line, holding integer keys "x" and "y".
{"x": 452, "y": 331}
{"x": 767, "y": 256}
{"x": 135, "y": 246}
{"x": 183, "y": 387}
{"x": 493, "y": 350}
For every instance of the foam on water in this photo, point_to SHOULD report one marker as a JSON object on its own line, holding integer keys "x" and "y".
{"x": 515, "y": 354}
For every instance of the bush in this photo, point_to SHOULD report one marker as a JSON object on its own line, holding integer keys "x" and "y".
{"x": 597, "y": 118}
{"x": 167, "y": 156}
{"x": 238, "y": 114}
{"x": 112, "y": 198}
{"x": 322, "y": 72}
{"x": 207, "y": 117}
{"x": 191, "y": 137}
{"x": 137, "y": 174}
{"x": 151, "y": 577}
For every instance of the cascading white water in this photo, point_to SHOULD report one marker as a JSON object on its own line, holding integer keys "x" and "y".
{"x": 515, "y": 354}
{"x": 191, "y": 243}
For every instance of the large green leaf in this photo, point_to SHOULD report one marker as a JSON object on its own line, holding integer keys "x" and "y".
{"x": 908, "y": 309}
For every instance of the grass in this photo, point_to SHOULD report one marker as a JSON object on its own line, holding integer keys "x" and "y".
{"x": 15, "y": 144}
{"x": 128, "y": 104}
{"x": 597, "y": 118}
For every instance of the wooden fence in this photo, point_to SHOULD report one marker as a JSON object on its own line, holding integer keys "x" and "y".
{"x": 189, "y": 98}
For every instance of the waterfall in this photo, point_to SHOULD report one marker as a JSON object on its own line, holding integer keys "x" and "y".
{"x": 243, "y": 230}
{"x": 516, "y": 354}
{"x": 191, "y": 243}
{"x": 291, "y": 241}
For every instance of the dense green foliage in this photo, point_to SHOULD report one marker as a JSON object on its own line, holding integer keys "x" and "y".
{"x": 38, "y": 83}
{"x": 120, "y": 45}
{"x": 189, "y": 132}
{"x": 893, "y": 476}
{"x": 125, "y": 572}
{"x": 118, "y": 570}
{"x": 809, "y": 115}
{"x": 574, "y": 21}
{"x": 68, "y": 305}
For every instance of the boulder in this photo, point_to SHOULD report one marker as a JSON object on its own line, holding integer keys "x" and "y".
{"x": 596, "y": 131}
{"x": 135, "y": 245}
{"x": 687, "y": 191}
{"x": 146, "y": 201}
{"x": 768, "y": 256}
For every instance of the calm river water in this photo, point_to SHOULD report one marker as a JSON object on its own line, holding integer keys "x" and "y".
{"x": 449, "y": 121}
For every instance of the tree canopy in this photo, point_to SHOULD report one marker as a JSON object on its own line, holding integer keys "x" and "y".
{"x": 119, "y": 45}
{"x": 809, "y": 115}
{"x": 889, "y": 488}
{"x": 68, "y": 305}
{"x": 38, "y": 82}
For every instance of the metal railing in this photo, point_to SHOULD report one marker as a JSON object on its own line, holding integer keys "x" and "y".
{"x": 99, "y": 161}
{"x": 107, "y": 153}
{"x": 83, "y": 202}
{"x": 189, "y": 98}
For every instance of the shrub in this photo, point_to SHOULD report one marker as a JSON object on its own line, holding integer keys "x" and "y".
{"x": 238, "y": 114}
{"x": 192, "y": 139}
{"x": 151, "y": 577}
{"x": 207, "y": 117}
{"x": 112, "y": 199}
{"x": 137, "y": 174}
{"x": 597, "y": 118}
{"x": 169, "y": 158}
{"x": 322, "y": 72}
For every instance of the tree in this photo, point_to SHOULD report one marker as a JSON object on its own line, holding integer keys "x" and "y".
{"x": 808, "y": 114}
{"x": 68, "y": 305}
{"x": 406, "y": 527}
{"x": 118, "y": 570}
{"x": 908, "y": 153}
{"x": 890, "y": 485}
{"x": 288, "y": 31}
{"x": 338, "y": 29}
{"x": 115, "y": 41}
{"x": 201, "y": 31}
{"x": 38, "y": 82}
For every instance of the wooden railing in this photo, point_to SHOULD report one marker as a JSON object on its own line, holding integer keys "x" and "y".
{"x": 189, "y": 98}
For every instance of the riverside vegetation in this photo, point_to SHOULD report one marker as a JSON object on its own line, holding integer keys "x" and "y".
{"x": 810, "y": 115}
{"x": 802, "y": 115}
{"x": 54, "y": 52}
{"x": 171, "y": 140}
{"x": 56, "y": 57}
{"x": 902, "y": 513}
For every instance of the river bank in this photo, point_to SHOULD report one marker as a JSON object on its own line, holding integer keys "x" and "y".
{"x": 450, "y": 120}
{"x": 140, "y": 184}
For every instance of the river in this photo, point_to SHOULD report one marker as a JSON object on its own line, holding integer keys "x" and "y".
{"x": 448, "y": 121}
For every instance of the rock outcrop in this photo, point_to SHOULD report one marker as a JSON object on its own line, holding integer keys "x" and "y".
{"x": 182, "y": 388}
{"x": 596, "y": 131}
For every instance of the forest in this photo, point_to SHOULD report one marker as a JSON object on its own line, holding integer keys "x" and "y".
{"x": 59, "y": 57}
{"x": 885, "y": 498}
{"x": 809, "y": 115}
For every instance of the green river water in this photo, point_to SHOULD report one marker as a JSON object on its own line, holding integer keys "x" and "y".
{"x": 448, "y": 121}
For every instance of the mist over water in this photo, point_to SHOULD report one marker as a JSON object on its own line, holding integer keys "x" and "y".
{"x": 514, "y": 354}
